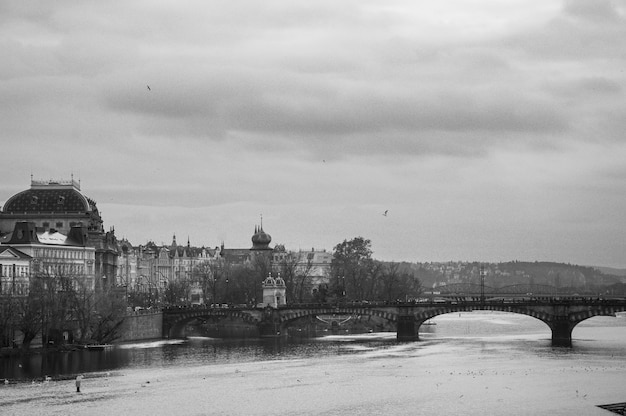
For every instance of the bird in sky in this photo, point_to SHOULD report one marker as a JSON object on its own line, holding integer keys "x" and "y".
{"x": 385, "y": 213}
{"x": 148, "y": 88}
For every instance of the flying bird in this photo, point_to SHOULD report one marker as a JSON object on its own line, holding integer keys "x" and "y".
{"x": 148, "y": 88}
{"x": 385, "y": 213}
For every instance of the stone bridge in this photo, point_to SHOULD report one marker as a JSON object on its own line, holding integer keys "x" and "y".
{"x": 560, "y": 314}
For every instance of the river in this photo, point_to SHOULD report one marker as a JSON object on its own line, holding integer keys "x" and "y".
{"x": 474, "y": 363}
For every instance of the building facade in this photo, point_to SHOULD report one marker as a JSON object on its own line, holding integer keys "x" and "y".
{"x": 57, "y": 207}
{"x": 14, "y": 271}
{"x": 32, "y": 253}
{"x": 150, "y": 268}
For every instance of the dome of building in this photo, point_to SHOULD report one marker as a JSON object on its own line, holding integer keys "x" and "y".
{"x": 52, "y": 204}
{"x": 269, "y": 280}
{"x": 49, "y": 197}
{"x": 280, "y": 281}
{"x": 261, "y": 240}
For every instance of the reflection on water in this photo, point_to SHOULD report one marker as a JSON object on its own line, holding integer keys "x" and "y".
{"x": 600, "y": 335}
{"x": 180, "y": 353}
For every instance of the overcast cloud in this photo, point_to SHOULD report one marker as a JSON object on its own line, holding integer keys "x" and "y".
{"x": 490, "y": 130}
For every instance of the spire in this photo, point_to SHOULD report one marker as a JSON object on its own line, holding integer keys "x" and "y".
{"x": 188, "y": 243}
{"x": 174, "y": 241}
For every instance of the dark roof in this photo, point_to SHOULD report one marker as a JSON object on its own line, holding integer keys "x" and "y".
{"x": 235, "y": 255}
{"x": 24, "y": 233}
{"x": 14, "y": 252}
{"x": 49, "y": 200}
{"x": 261, "y": 239}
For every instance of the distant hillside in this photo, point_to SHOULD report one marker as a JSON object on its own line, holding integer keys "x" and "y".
{"x": 612, "y": 271}
{"x": 583, "y": 279}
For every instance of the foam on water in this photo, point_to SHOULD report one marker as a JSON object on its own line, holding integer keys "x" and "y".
{"x": 151, "y": 344}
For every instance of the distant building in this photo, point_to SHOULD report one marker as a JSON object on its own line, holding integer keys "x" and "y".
{"x": 14, "y": 271}
{"x": 58, "y": 207}
{"x": 32, "y": 252}
{"x": 310, "y": 268}
{"x": 260, "y": 247}
{"x": 150, "y": 268}
{"x": 316, "y": 265}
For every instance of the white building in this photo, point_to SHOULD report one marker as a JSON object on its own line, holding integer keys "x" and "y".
{"x": 29, "y": 252}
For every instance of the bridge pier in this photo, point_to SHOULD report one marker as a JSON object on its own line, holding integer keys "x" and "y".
{"x": 406, "y": 328}
{"x": 562, "y": 332}
{"x": 270, "y": 325}
{"x": 269, "y": 330}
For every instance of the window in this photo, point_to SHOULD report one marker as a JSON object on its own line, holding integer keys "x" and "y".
{"x": 59, "y": 225}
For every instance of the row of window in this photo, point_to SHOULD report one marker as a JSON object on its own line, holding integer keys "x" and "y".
{"x": 11, "y": 270}
{"x": 64, "y": 254}
{"x": 65, "y": 269}
{"x": 59, "y": 224}
{"x": 34, "y": 199}
{"x": 21, "y": 288}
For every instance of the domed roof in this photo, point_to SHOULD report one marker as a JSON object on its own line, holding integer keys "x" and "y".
{"x": 50, "y": 196}
{"x": 261, "y": 240}
{"x": 269, "y": 280}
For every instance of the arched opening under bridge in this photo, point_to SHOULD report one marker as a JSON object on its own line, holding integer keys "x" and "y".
{"x": 489, "y": 324}
{"x": 599, "y": 332}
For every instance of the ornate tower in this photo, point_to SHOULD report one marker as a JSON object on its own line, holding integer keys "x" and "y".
{"x": 274, "y": 291}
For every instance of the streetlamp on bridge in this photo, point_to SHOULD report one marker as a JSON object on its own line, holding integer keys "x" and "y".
{"x": 482, "y": 283}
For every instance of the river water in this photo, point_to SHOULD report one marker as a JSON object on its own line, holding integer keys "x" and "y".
{"x": 474, "y": 363}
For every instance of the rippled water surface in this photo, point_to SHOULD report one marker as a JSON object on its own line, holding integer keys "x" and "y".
{"x": 470, "y": 363}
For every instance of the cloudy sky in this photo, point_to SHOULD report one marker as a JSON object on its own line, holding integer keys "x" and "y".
{"x": 490, "y": 130}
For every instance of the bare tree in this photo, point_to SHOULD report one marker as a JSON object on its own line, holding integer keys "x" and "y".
{"x": 352, "y": 268}
{"x": 7, "y": 319}
{"x": 398, "y": 284}
{"x": 28, "y": 317}
{"x": 176, "y": 292}
{"x": 108, "y": 316}
{"x": 302, "y": 284}
{"x": 210, "y": 275}
{"x": 287, "y": 267}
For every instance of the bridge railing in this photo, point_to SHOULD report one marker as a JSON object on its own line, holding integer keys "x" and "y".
{"x": 458, "y": 300}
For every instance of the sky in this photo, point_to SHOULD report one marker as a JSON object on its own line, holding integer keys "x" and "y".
{"x": 487, "y": 130}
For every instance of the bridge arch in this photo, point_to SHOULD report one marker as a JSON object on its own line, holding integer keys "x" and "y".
{"x": 424, "y": 315}
{"x": 174, "y": 323}
{"x": 561, "y": 325}
{"x": 295, "y": 314}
